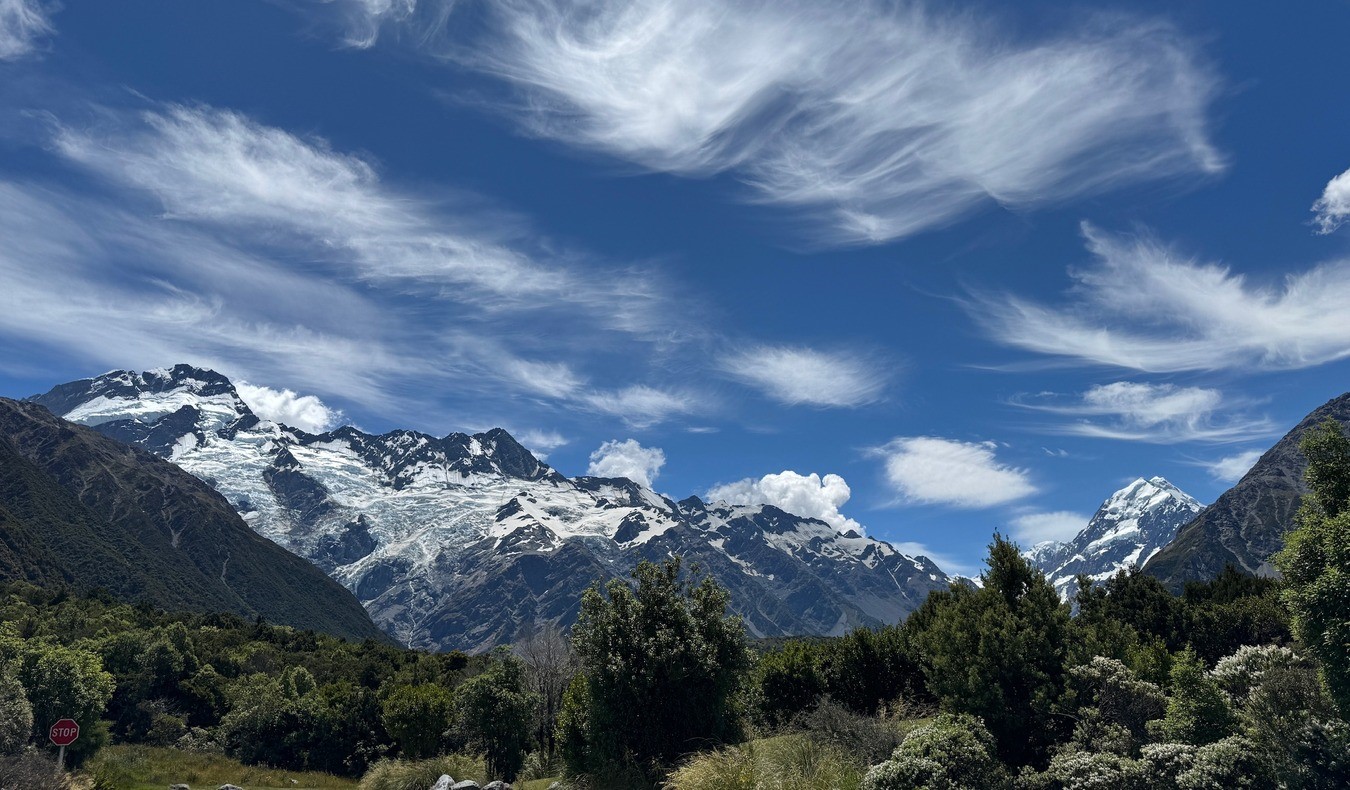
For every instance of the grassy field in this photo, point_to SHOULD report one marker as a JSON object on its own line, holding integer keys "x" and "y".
{"x": 151, "y": 768}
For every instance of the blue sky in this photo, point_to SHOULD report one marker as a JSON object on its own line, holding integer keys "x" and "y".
{"x": 974, "y": 266}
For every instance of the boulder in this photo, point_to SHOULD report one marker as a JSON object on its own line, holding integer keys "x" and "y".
{"x": 497, "y": 785}
{"x": 230, "y": 787}
{"x": 179, "y": 787}
{"x": 467, "y": 784}
{"x": 444, "y": 783}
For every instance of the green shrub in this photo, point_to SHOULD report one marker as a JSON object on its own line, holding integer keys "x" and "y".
{"x": 952, "y": 751}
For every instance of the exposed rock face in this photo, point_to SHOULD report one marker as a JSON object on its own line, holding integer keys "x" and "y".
{"x": 1246, "y": 525}
{"x": 469, "y": 541}
{"x": 79, "y": 508}
{"x": 1131, "y": 526}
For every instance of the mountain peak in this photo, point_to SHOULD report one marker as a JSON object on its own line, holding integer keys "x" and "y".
{"x": 1131, "y": 526}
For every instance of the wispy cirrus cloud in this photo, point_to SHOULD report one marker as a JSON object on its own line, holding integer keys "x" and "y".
{"x": 23, "y": 24}
{"x": 1140, "y": 411}
{"x": 213, "y": 238}
{"x": 1143, "y": 306}
{"x": 874, "y": 120}
{"x": 809, "y": 495}
{"x": 642, "y": 406}
{"x": 805, "y": 376}
{"x": 1231, "y": 468}
{"x": 931, "y": 470}
{"x": 1059, "y": 525}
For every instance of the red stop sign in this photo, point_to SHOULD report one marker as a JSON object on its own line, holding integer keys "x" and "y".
{"x": 64, "y": 732}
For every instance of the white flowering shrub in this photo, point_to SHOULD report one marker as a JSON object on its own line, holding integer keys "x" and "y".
{"x": 1233, "y": 763}
{"x": 952, "y": 751}
{"x": 1241, "y": 673}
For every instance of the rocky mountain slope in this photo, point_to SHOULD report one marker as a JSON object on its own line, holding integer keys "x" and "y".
{"x": 1246, "y": 525}
{"x": 469, "y": 541}
{"x": 1130, "y": 527}
{"x": 80, "y": 509}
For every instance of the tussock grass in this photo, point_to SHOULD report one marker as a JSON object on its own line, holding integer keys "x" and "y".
{"x": 422, "y": 774}
{"x": 784, "y": 762}
{"x": 129, "y": 767}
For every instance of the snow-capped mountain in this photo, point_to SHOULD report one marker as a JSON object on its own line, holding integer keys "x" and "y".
{"x": 470, "y": 541}
{"x": 1131, "y": 526}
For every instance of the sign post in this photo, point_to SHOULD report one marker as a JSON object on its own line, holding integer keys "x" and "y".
{"x": 62, "y": 734}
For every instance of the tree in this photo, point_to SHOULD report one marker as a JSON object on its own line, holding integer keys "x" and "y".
{"x": 549, "y": 665}
{"x": 999, "y": 652}
{"x": 788, "y": 681}
{"x": 1198, "y": 713}
{"x": 664, "y": 666}
{"x": 495, "y": 713}
{"x": 64, "y": 682}
{"x": 1316, "y": 559}
{"x": 418, "y": 717}
{"x": 16, "y": 715}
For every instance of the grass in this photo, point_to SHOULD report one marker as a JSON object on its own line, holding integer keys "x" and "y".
{"x": 782, "y": 762}
{"x": 127, "y": 767}
{"x": 534, "y": 784}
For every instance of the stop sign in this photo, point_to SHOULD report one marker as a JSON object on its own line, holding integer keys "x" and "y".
{"x": 64, "y": 732}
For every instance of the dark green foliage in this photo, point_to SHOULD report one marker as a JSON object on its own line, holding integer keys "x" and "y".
{"x": 80, "y": 509}
{"x": 16, "y": 714}
{"x": 1316, "y": 560}
{"x": 495, "y": 712}
{"x": 664, "y": 668}
{"x": 863, "y": 670}
{"x": 1198, "y": 713}
{"x": 268, "y": 694}
{"x": 788, "y": 680}
{"x": 418, "y": 718}
{"x": 999, "y": 653}
{"x": 1136, "y": 600}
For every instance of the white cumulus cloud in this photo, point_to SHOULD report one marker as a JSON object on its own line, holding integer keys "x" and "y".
{"x": 305, "y": 412}
{"x": 1140, "y": 411}
{"x": 627, "y": 459}
{"x": 810, "y": 495}
{"x": 1145, "y": 307}
{"x": 1333, "y": 208}
{"x": 804, "y": 376}
{"x": 938, "y": 471}
{"x": 1061, "y": 525}
{"x": 876, "y": 120}
{"x": 22, "y": 24}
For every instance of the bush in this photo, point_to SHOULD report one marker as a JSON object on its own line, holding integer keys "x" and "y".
{"x": 1116, "y": 707}
{"x": 1240, "y": 673}
{"x": 1087, "y": 771}
{"x": 421, "y": 774}
{"x": 1198, "y": 713}
{"x": 31, "y": 770}
{"x": 1228, "y": 764}
{"x": 16, "y": 715}
{"x": 952, "y": 751}
{"x": 870, "y": 739}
